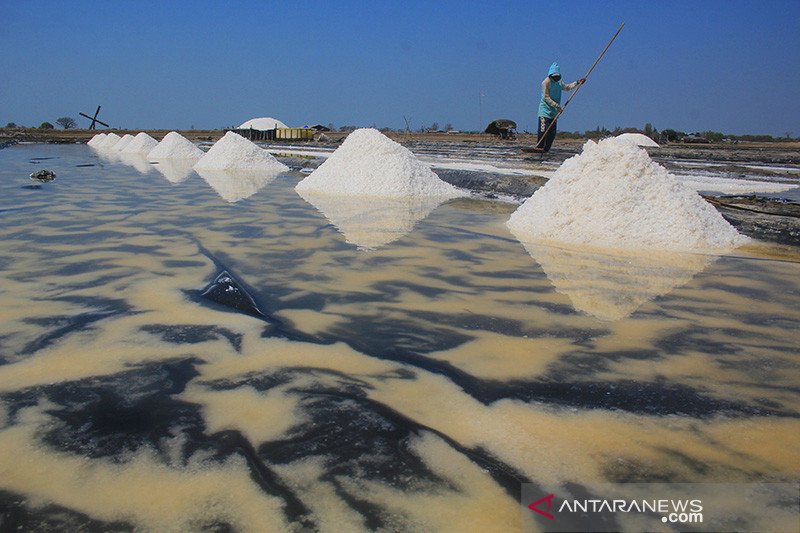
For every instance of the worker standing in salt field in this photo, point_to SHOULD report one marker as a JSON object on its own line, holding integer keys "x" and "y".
{"x": 550, "y": 105}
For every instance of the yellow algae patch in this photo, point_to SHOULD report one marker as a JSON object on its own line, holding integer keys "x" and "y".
{"x": 475, "y": 502}
{"x": 141, "y": 490}
{"x": 500, "y": 357}
{"x": 260, "y": 417}
{"x": 556, "y": 445}
{"x": 331, "y": 513}
{"x": 310, "y": 321}
{"x": 275, "y": 353}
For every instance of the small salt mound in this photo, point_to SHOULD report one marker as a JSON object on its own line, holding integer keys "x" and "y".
{"x": 234, "y": 152}
{"x": 370, "y": 164}
{"x": 97, "y": 139}
{"x": 613, "y": 195}
{"x": 110, "y": 140}
{"x": 175, "y": 146}
{"x": 141, "y": 144}
{"x": 637, "y": 138}
{"x": 263, "y": 123}
{"x": 123, "y": 142}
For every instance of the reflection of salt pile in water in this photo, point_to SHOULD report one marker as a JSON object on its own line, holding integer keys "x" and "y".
{"x": 234, "y": 152}
{"x": 638, "y": 139}
{"x": 370, "y": 164}
{"x": 123, "y": 142}
{"x": 612, "y": 287}
{"x": 235, "y": 185}
{"x": 614, "y": 195}
{"x": 137, "y": 161}
{"x": 97, "y": 139}
{"x": 377, "y": 222}
{"x": 175, "y": 146}
{"x": 141, "y": 144}
{"x": 174, "y": 170}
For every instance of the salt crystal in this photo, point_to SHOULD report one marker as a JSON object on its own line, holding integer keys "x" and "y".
{"x": 141, "y": 144}
{"x": 613, "y": 195}
{"x": 370, "y": 164}
{"x": 175, "y": 146}
{"x": 234, "y": 152}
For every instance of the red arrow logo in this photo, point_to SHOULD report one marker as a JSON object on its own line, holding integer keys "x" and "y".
{"x": 549, "y": 500}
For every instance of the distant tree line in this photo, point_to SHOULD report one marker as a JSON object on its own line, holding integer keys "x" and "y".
{"x": 663, "y": 136}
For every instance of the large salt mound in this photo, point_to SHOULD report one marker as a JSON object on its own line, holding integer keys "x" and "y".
{"x": 614, "y": 195}
{"x": 263, "y": 123}
{"x": 370, "y": 164}
{"x": 141, "y": 144}
{"x": 123, "y": 142}
{"x": 175, "y": 146}
{"x": 97, "y": 139}
{"x": 638, "y": 139}
{"x": 234, "y": 152}
{"x": 110, "y": 140}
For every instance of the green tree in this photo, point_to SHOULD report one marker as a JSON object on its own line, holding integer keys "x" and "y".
{"x": 46, "y": 126}
{"x": 714, "y": 136}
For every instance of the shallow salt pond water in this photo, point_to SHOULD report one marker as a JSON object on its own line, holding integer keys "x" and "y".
{"x": 358, "y": 365}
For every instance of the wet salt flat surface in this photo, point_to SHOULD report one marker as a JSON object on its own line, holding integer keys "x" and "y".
{"x": 186, "y": 352}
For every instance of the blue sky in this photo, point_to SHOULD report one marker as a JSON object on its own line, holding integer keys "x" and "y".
{"x": 731, "y": 66}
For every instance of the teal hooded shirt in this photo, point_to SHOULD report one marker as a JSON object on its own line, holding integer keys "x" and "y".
{"x": 555, "y": 93}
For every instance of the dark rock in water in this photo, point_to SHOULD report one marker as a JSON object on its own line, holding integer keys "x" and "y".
{"x": 43, "y": 176}
{"x": 225, "y": 290}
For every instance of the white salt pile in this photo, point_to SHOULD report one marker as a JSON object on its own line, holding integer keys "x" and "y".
{"x": 97, "y": 139}
{"x": 263, "y": 123}
{"x": 141, "y": 144}
{"x": 123, "y": 142}
{"x": 175, "y": 146}
{"x": 613, "y": 195}
{"x": 234, "y": 152}
{"x": 638, "y": 139}
{"x": 370, "y": 164}
{"x": 110, "y": 140}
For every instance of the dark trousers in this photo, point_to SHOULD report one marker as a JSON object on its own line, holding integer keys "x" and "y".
{"x": 546, "y": 142}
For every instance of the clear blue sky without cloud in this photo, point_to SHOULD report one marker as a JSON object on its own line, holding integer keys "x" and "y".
{"x": 731, "y": 66}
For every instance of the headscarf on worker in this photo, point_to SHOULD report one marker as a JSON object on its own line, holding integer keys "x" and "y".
{"x": 551, "y": 92}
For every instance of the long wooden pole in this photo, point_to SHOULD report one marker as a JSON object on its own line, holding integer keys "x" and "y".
{"x": 580, "y": 84}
